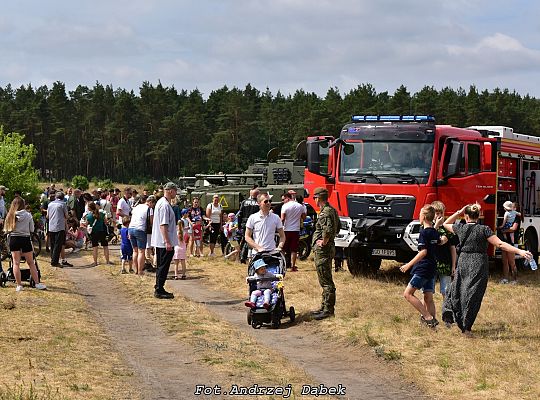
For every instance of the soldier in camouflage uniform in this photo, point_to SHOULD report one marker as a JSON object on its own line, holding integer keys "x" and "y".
{"x": 326, "y": 228}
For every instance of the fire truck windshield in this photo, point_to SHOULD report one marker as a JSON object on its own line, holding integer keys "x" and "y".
{"x": 386, "y": 162}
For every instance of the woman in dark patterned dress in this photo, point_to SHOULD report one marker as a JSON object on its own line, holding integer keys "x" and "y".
{"x": 469, "y": 285}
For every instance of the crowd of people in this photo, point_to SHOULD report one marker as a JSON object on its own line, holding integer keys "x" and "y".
{"x": 160, "y": 228}
{"x": 468, "y": 265}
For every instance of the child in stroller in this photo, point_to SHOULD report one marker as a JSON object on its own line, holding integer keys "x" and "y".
{"x": 267, "y": 300}
{"x": 265, "y": 285}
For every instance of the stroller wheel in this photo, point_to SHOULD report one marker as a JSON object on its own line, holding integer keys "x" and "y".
{"x": 3, "y": 279}
{"x": 292, "y": 314}
{"x": 249, "y": 317}
{"x": 256, "y": 324}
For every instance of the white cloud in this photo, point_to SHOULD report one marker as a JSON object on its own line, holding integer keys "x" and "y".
{"x": 283, "y": 44}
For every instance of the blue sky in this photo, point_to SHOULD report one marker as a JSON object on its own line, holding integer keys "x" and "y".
{"x": 280, "y": 44}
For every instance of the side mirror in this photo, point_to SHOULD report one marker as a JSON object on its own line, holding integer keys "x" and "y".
{"x": 455, "y": 159}
{"x": 348, "y": 149}
{"x": 318, "y": 157}
{"x": 313, "y": 158}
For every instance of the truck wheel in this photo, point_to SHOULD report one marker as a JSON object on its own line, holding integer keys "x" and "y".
{"x": 531, "y": 244}
{"x": 358, "y": 266}
{"x": 304, "y": 248}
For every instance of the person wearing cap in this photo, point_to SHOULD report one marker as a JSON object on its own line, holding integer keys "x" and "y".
{"x": 326, "y": 228}
{"x": 292, "y": 215}
{"x": 261, "y": 227}
{"x": 57, "y": 215}
{"x": 3, "y": 210}
{"x": 509, "y": 217}
{"x": 188, "y": 231}
{"x": 264, "y": 285}
{"x": 230, "y": 229}
{"x": 507, "y": 233}
{"x": 141, "y": 219}
{"x": 164, "y": 238}
{"x": 214, "y": 212}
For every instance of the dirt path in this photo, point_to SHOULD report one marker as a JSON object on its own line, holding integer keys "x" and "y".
{"x": 357, "y": 370}
{"x": 167, "y": 369}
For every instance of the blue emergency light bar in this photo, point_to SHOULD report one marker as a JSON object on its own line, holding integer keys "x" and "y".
{"x": 391, "y": 118}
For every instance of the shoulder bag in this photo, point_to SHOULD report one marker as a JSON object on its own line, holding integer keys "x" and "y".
{"x": 89, "y": 229}
{"x": 148, "y": 222}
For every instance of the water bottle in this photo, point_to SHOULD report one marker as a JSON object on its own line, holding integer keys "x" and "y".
{"x": 533, "y": 265}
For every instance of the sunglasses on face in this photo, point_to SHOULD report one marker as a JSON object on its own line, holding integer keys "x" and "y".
{"x": 266, "y": 201}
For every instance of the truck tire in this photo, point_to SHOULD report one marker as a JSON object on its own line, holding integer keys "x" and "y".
{"x": 531, "y": 243}
{"x": 304, "y": 249}
{"x": 362, "y": 266}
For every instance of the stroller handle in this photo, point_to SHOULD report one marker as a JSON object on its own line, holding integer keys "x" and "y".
{"x": 276, "y": 278}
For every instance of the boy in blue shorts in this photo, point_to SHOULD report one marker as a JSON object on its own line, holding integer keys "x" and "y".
{"x": 126, "y": 249}
{"x": 423, "y": 269}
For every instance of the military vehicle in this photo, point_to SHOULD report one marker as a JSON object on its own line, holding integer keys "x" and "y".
{"x": 275, "y": 176}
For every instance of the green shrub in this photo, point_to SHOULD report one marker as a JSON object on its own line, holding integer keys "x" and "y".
{"x": 79, "y": 181}
{"x": 105, "y": 184}
{"x": 16, "y": 170}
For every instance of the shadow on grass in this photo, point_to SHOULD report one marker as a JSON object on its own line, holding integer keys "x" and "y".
{"x": 222, "y": 302}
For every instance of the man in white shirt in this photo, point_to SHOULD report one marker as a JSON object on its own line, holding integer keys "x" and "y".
{"x": 262, "y": 226}
{"x": 164, "y": 238}
{"x": 123, "y": 209}
{"x": 292, "y": 215}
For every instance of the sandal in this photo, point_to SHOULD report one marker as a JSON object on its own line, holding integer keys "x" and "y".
{"x": 183, "y": 277}
{"x": 176, "y": 278}
{"x": 432, "y": 323}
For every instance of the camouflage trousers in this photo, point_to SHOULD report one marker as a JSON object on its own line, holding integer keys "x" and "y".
{"x": 323, "y": 264}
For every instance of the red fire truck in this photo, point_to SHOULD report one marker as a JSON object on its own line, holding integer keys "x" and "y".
{"x": 381, "y": 170}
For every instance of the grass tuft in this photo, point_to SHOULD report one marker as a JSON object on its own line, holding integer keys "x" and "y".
{"x": 80, "y": 387}
{"x": 370, "y": 340}
{"x": 9, "y": 304}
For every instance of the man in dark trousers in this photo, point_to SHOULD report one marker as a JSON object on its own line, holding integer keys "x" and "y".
{"x": 326, "y": 228}
{"x": 164, "y": 238}
{"x": 57, "y": 215}
{"x": 248, "y": 207}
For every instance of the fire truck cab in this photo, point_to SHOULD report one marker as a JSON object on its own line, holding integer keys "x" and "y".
{"x": 381, "y": 170}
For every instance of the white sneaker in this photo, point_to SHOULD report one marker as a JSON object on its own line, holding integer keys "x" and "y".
{"x": 40, "y": 286}
{"x": 503, "y": 281}
{"x": 19, "y": 288}
{"x": 513, "y": 282}
{"x": 76, "y": 250}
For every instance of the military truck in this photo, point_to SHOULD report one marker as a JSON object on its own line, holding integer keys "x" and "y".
{"x": 275, "y": 176}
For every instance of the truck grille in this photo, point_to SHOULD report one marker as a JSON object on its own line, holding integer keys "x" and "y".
{"x": 379, "y": 205}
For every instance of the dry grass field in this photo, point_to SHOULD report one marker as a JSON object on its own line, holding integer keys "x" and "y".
{"x": 500, "y": 362}
{"x": 52, "y": 348}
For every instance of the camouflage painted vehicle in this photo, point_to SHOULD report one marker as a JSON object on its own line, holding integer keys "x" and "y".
{"x": 276, "y": 175}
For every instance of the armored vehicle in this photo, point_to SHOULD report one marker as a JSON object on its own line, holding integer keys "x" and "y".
{"x": 275, "y": 175}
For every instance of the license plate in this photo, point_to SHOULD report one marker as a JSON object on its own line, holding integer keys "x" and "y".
{"x": 383, "y": 252}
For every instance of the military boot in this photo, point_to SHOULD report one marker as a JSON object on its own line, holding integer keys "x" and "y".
{"x": 323, "y": 315}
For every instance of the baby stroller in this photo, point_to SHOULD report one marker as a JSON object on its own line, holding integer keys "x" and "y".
{"x": 9, "y": 276}
{"x": 257, "y": 316}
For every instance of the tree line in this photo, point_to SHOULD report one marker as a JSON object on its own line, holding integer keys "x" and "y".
{"x": 162, "y": 132}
